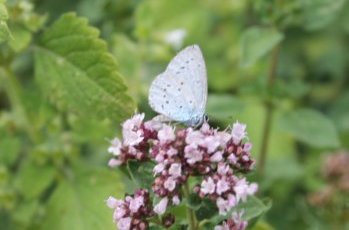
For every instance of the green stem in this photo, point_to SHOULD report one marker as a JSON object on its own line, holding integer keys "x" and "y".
{"x": 14, "y": 92}
{"x": 192, "y": 221}
{"x": 269, "y": 111}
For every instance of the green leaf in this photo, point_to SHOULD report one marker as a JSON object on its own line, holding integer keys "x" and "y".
{"x": 223, "y": 106}
{"x": 10, "y": 147}
{"x": 5, "y": 33}
{"x": 320, "y": 13}
{"x": 262, "y": 225}
{"x": 25, "y": 213}
{"x": 340, "y": 112}
{"x": 33, "y": 179}
{"x": 79, "y": 203}
{"x": 21, "y": 38}
{"x": 3, "y": 12}
{"x": 251, "y": 209}
{"x": 310, "y": 127}
{"x": 257, "y": 42}
{"x": 142, "y": 173}
{"x": 254, "y": 207}
{"x": 74, "y": 68}
{"x": 194, "y": 201}
{"x": 207, "y": 210}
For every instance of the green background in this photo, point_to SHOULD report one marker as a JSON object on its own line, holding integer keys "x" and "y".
{"x": 66, "y": 84}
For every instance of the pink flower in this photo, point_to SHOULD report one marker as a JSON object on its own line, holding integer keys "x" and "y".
{"x": 175, "y": 200}
{"x": 119, "y": 213}
{"x": 115, "y": 147}
{"x": 222, "y": 186}
{"x": 192, "y": 154}
{"x": 112, "y": 202}
{"x": 205, "y": 128}
{"x": 235, "y": 222}
{"x": 238, "y": 132}
{"x": 208, "y": 186}
{"x": 237, "y": 219}
{"x": 232, "y": 200}
{"x": 124, "y": 223}
{"x": 222, "y": 205}
{"x": 159, "y": 168}
{"x": 132, "y": 134}
{"x": 232, "y": 159}
{"x": 194, "y": 138}
{"x": 171, "y": 152}
{"x": 224, "y": 137}
{"x": 160, "y": 157}
{"x": 170, "y": 184}
{"x": 223, "y": 169}
{"x": 160, "y": 208}
{"x": 217, "y": 156}
{"x": 136, "y": 203}
{"x": 225, "y": 226}
{"x": 114, "y": 162}
{"x": 166, "y": 134}
{"x": 153, "y": 125}
{"x": 211, "y": 143}
{"x": 243, "y": 189}
{"x": 247, "y": 147}
{"x": 175, "y": 170}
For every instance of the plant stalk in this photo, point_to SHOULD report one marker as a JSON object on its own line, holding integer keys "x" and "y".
{"x": 192, "y": 221}
{"x": 14, "y": 92}
{"x": 269, "y": 108}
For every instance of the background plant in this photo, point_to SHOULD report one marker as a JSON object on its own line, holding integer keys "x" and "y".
{"x": 279, "y": 66}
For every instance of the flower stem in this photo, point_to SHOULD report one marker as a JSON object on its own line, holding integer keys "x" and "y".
{"x": 192, "y": 221}
{"x": 269, "y": 110}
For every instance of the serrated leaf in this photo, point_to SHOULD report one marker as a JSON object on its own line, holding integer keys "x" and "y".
{"x": 257, "y": 42}
{"x": 74, "y": 68}
{"x": 310, "y": 127}
{"x": 79, "y": 203}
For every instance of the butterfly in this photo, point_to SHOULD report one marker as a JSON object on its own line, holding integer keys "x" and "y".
{"x": 180, "y": 92}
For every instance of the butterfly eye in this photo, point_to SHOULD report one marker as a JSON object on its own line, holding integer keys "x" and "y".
{"x": 205, "y": 118}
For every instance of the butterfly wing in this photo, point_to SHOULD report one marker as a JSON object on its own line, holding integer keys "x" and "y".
{"x": 181, "y": 91}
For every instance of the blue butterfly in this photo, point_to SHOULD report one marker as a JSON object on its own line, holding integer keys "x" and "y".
{"x": 180, "y": 92}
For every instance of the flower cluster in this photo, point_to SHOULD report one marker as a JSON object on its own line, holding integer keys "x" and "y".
{"x": 225, "y": 188}
{"x": 235, "y": 223}
{"x": 133, "y": 211}
{"x": 135, "y": 140}
{"x": 335, "y": 175}
{"x": 215, "y": 156}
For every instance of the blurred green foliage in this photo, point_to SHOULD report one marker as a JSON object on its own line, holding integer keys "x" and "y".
{"x": 56, "y": 112}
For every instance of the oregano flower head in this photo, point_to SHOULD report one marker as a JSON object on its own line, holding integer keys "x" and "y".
{"x": 217, "y": 159}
